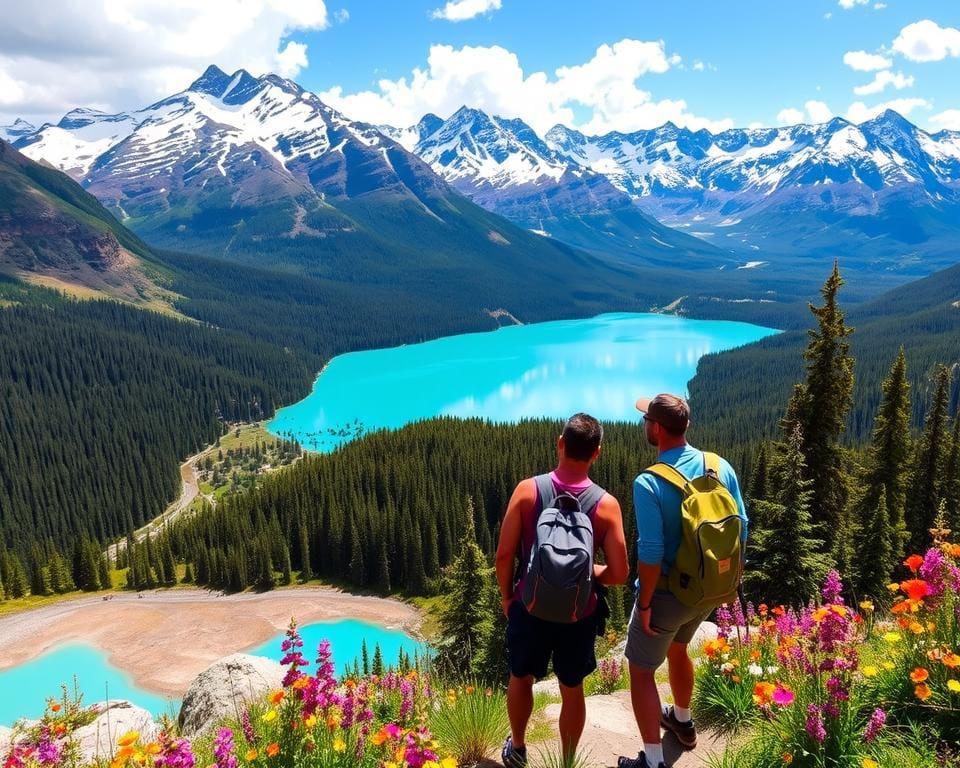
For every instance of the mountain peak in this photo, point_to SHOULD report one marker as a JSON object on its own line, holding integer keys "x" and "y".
{"x": 213, "y": 81}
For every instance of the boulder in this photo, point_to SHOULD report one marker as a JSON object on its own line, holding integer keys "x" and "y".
{"x": 5, "y": 736}
{"x": 98, "y": 740}
{"x": 706, "y": 631}
{"x": 549, "y": 686}
{"x": 224, "y": 688}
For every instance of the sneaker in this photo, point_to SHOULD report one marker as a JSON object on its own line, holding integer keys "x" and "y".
{"x": 511, "y": 756}
{"x": 640, "y": 761}
{"x": 686, "y": 733}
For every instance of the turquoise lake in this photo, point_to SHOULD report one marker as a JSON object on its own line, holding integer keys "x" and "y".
{"x": 25, "y": 689}
{"x": 600, "y": 365}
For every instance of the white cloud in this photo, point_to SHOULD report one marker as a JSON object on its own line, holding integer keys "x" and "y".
{"x": 698, "y": 66}
{"x": 949, "y": 119}
{"x": 879, "y": 6}
{"x": 859, "y": 112}
{"x": 848, "y": 4}
{"x": 813, "y": 112}
{"x": 927, "y": 41}
{"x": 881, "y": 80}
{"x": 866, "y": 62}
{"x": 342, "y": 16}
{"x": 462, "y": 10}
{"x": 492, "y": 79}
{"x": 790, "y": 116}
{"x": 122, "y": 54}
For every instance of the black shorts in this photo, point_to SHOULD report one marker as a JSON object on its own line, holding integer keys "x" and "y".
{"x": 532, "y": 641}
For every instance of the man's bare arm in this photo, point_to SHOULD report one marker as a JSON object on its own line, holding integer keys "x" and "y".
{"x": 614, "y": 544}
{"x": 511, "y": 531}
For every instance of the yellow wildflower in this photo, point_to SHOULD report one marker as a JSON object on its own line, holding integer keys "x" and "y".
{"x": 339, "y": 745}
{"x": 870, "y": 671}
{"x": 868, "y": 763}
{"x": 889, "y": 666}
{"x": 130, "y": 737}
{"x": 270, "y": 716}
{"x": 954, "y": 685}
{"x": 251, "y": 755}
{"x": 892, "y": 637}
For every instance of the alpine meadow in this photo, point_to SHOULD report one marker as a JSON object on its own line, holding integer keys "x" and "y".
{"x": 296, "y": 298}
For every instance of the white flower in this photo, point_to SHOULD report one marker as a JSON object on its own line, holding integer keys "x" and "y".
{"x": 755, "y": 669}
{"x": 772, "y": 670}
{"x": 726, "y": 668}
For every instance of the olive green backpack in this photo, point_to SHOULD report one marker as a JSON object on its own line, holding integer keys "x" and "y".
{"x": 709, "y": 563}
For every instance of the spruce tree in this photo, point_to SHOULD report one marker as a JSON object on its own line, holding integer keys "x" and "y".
{"x": 358, "y": 566}
{"x": 462, "y": 614}
{"x": 39, "y": 583}
{"x": 376, "y": 667}
{"x": 785, "y": 563}
{"x": 103, "y": 570}
{"x": 492, "y": 666}
{"x": 16, "y": 581}
{"x": 365, "y": 657}
{"x": 760, "y": 479}
{"x": 303, "y": 536}
{"x": 951, "y": 478}
{"x": 819, "y": 407}
{"x": 286, "y": 572}
{"x": 926, "y": 488}
{"x": 876, "y": 554}
{"x": 888, "y": 460}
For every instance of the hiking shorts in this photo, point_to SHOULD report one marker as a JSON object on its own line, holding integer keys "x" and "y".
{"x": 531, "y": 642}
{"x": 673, "y": 622}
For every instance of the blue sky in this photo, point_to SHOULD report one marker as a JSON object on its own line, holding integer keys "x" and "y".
{"x": 606, "y": 65}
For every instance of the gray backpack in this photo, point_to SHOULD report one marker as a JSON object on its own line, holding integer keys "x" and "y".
{"x": 559, "y": 576}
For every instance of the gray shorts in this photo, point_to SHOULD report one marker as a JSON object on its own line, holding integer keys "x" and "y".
{"x": 673, "y": 622}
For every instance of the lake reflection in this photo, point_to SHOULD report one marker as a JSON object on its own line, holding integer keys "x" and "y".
{"x": 600, "y": 365}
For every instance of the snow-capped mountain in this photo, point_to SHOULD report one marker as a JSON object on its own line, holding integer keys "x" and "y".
{"x": 17, "y": 129}
{"x": 503, "y": 165}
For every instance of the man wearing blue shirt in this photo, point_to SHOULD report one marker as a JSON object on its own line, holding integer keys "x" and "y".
{"x": 661, "y": 626}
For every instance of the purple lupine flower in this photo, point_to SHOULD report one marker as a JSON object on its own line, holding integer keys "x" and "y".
{"x": 48, "y": 752}
{"x": 223, "y": 749}
{"x": 814, "y": 725}
{"x": 832, "y": 588}
{"x": 406, "y": 698}
{"x": 934, "y": 571}
{"x": 877, "y": 720}
{"x": 248, "y": 733}
{"x": 724, "y": 621}
{"x": 175, "y": 754}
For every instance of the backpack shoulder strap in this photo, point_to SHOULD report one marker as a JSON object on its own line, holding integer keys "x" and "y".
{"x": 545, "y": 490}
{"x": 669, "y": 473}
{"x": 711, "y": 463}
{"x": 590, "y": 497}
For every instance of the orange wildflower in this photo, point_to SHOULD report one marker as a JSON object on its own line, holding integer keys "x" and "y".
{"x": 915, "y": 589}
{"x": 276, "y": 697}
{"x": 469, "y": 689}
{"x": 913, "y": 562}
{"x": 902, "y": 607}
{"x": 787, "y": 758}
{"x": 54, "y": 707}
{"x": 251, "y": 755}
{"x": 301, "y": 682}
{"x": 951, "y": 550}
{"x": 779, "y": 611}
{"x": 922, "y": 692}
{"x": 917, "y": 628}
{"x": 919, "y": 675}
{"x": 763, "y": 693}
{"x": 273, "y": 749}
{"x": 951, "y": 660}
{"x": 130, "y": 737}
{"x": 379, "y": 737}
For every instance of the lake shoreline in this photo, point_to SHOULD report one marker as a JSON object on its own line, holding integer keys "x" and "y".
{"x": 165, "y": 638}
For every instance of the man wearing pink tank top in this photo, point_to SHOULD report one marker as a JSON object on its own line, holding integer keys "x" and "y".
{"x": 531, "y": 641}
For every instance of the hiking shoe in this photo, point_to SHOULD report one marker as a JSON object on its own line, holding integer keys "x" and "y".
{"x": 686, "y": 733}
{"x": 511, "y": 756}
{"x": 640, "y": 761}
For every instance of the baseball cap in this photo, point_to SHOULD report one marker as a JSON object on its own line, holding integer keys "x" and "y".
{"x": 670, "y": 411}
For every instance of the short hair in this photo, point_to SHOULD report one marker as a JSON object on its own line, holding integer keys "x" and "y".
{"x": 582, "y": 435}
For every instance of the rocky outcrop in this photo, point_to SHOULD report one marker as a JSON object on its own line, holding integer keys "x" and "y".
{"x": 98, "y": 740}
{"x": 5, "y": 734}
{"x": 223, "y": 689}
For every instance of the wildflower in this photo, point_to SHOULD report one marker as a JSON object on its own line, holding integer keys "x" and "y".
{"x": 951, "y": 660}
{"x": 223, "y": 749}
{"x": 919, "y": 675}
{"x": 866, "y": 605}
{"x": 917, "y": 628}
{"x": 870, "y": 671}
{"x": 832, "y": 588}
{"x": 247, "y": 727}
{"x": 877, "y": 720}
{"x": 128, "y": 739}
{"x": 251, "y": 755}
{"x": 892, "y": 637}
{"x": 814, "y": 724}
{"x": 54, "y": 707}
{"x": 339, "y": 745}
{"x": 922, "y": 692}
{"x": 276, "y": 697}
{"x": 763, "y": 693}
{"x": 913, "y": 562}
{"x": 783, "y": 696}
{"x": 273, "y": 749}
{"x": 755, "y": 669}
{"x": 953, "y": 685}
{"x": 175, "y": 753}
{"x": 915, "y": 589}
{"x": 270, "y": 716}
{"x": 469, "y": 689}
{"x": 889, "y": 666}
{"x": 787, "y": 758}
{"x": 868, "y": 763}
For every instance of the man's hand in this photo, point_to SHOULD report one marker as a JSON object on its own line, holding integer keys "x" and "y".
{"x": 643, "y": 617}
{"x": 505, "y": 603}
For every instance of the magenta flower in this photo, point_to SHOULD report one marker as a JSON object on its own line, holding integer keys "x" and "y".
{"x": 223, "y": 749}
{"x": 814, "y": 725}
{"x": 783, "y": 697}
{"x": 877, "y": 720}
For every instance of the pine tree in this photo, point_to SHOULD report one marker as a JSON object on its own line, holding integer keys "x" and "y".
{"x": 303, "y": 534}
{"x": 819, "y": 407}
{"x": 951, "y": 479}
{"x": 926, "y": 488}
{"x": 492, "y": 666}
{"x": 16, "y": 581}
{"x": 383, "y": 566}
{"x": 376, "y": 667}
{"x": 358, "y": 566}
{"x": 786, "y": 564}
{"x": 876, "y": 554}
{"x": 462, "y": 615}
{"x": 39, "y": 583}
{"x": 60, "y": 581}
{"x": 188, "y": 575}
{"x": 888, "y": 459}
{"x": 103, "y": 570}
{"x": 759, "y": 481}
{"x": 366, "y": 658}
{"x": 286, "y": 572}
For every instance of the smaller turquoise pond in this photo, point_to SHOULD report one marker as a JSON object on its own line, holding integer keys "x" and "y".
{"x": 599, "y": 365}
{"x": 25, "y": 689}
